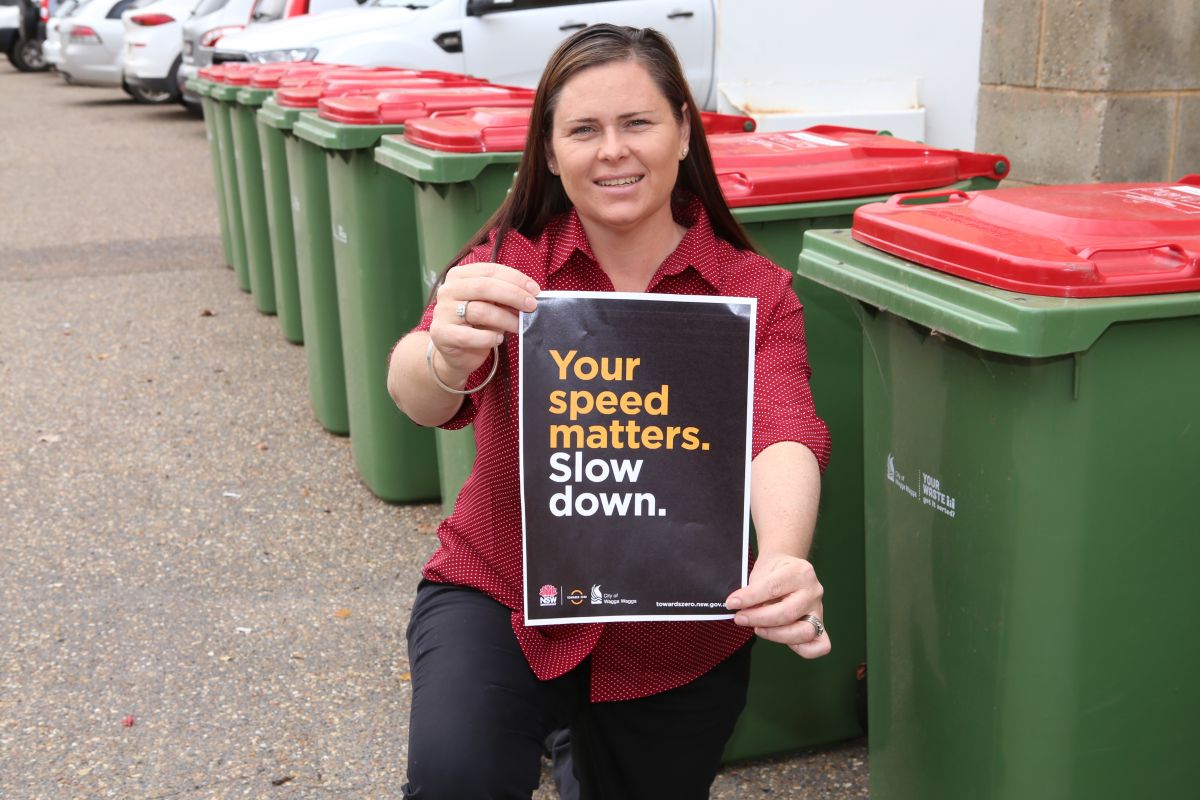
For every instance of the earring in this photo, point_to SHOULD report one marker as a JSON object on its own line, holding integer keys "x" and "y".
{"x": 683, "y": 154}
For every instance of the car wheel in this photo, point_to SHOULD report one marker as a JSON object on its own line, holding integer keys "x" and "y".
{"x": 150, "y": 97}
{"x": 26, "y": 56}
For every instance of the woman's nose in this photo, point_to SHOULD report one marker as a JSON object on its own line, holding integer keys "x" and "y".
{"x": 612, "y": 145}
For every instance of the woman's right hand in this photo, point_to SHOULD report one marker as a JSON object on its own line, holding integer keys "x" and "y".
{"x": 492, "y": 295}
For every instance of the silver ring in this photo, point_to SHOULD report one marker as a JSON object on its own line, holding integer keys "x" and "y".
{"x": 815, "y": 621}
{"x": 460, "y": 310}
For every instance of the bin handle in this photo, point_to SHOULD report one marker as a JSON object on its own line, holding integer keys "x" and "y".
{"x": 1110, "y": 268}
{"x": 950, "y": 195}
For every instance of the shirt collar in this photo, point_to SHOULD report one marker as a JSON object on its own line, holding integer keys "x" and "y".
{"x": 571, "y": 238}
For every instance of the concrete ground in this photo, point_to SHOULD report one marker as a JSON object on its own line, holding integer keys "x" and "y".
{"x": 199, "y": 597}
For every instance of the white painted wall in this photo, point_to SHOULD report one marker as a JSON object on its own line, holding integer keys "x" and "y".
{"x": 910, "y": 64}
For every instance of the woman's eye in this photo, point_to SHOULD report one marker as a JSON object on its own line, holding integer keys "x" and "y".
{"x": 581, "y": 130}
{"x": 638, "y": 123}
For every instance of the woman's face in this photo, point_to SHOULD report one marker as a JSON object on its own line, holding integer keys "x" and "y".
{"x": 616, "y": 145}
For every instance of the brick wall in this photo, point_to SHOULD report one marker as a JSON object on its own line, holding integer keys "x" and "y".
{"x": 1091, "y": 90}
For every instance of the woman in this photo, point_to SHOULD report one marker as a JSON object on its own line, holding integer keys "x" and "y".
{"x": 616, "y": 191}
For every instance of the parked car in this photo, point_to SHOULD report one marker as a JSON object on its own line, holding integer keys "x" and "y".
{"x": 506, "y": 41}
{"x": 210, "y": 20}
{"x": 93, "y": 44}
{"x": 25, "y": 51}
{"x": 154, "y": 49}
{"x": 52, "y": 46}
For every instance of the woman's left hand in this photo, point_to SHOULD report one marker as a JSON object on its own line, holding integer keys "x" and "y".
{"x": 782, "y": 590}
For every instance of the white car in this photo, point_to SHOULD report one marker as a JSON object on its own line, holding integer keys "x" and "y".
{"x": 505, "y": 41}
{"x": 92, "y": 43}
{"x": 154, "y": 49}
{"x": 210, "y": 20}
{"x": 52, "y": 47}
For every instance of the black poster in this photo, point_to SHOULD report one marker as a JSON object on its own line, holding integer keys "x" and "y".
{"x": 635, "y": 455}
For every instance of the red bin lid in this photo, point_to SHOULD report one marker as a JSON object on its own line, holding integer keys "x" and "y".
{"x": 828, "y": 162}
{"x": 309, "y": 93}
{"x": 397, "y": 106}
{"x": 290, "y": 74}
{"x": 1092, "y": 240}
{"x": 344, "y": 73}
{"x": 715, "y": 123}
{"x": 234, "y": 71}
{"x": 477, "y": 130}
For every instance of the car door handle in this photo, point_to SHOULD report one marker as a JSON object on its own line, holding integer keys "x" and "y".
{"x": 572, "y": 26}
{"x": 677, "y": 14}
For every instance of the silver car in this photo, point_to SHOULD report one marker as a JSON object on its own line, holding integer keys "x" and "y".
{"x": 210, "y": 20}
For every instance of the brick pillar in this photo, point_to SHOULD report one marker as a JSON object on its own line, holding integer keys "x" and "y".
{"x": 1075, "y": 91}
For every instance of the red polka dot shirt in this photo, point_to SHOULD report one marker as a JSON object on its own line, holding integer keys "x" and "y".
{"x": 480, "y": 543}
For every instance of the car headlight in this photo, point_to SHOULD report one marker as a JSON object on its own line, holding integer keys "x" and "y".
{"x": 276, "y": 56}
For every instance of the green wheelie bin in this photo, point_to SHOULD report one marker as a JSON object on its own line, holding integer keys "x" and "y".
{"x": 374, "y": 244}
{"x": 461, "y": 167}
{"x": 779, "y": 185}
{"x": 1031, "y": 450}
{"x": 200, "y": 85}
{"x": 248, "y": 165}
{"x": 216, "y": 102}
{"x": 307, "y": 204}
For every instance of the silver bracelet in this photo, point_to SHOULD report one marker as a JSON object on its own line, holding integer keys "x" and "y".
{"x": 451, "y": 389}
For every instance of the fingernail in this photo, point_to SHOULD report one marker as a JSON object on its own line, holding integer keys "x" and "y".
{"x": 733, "y": 603}
{"x": 741, "y": 619}
{"x": 530, "y": 304}
{"x": 499, "y": 338}
{"x": 532, "y": 287}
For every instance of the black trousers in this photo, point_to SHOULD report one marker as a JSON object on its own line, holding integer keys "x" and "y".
{"x": 480, "y": 716}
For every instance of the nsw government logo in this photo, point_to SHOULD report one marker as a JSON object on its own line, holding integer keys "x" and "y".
{"x": 548, "y": 595}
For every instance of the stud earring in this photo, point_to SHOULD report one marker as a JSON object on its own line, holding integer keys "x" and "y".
{"x": 683, "y": 153}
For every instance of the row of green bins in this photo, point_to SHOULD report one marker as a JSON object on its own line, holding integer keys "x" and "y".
{"x": 241, "y": 163}
{"x": 1031, "y": 447}
{"x": 779, "y": 185}
{"x": 461, "y": 167}
{"x": 307, "y": 207}
{"x": 374, "y": 247}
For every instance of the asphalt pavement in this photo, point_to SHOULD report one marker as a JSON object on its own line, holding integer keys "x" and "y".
{"x": 200, "y": 599}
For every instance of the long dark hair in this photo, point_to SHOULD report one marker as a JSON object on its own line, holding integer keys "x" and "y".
{"x": 537, "y": 195}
